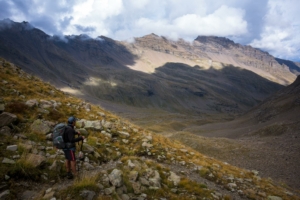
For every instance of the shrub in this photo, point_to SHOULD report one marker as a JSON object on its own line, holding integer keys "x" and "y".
{"x": 17, "y": 107}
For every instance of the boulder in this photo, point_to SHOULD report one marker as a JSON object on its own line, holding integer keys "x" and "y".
{"x": 88, "y": 166}
{"x": 32, "y": 103}
{"x": 7, "y": 118}
{"x": 87, "y": 194}
{"x": 155, "y": 180}
{"x": 131, "y": 164}
{"x": 45, "y": 104}
{"x": 94, "y": 125}
{"x": 49, "y": 196}
{"x": 12, "y": 147}
{"x": 80, "y": 123}
{"x": 28, "y": 147}
{"x": 124, "y": 134}
{"x": 5, "y": 194}
{"x": 89, "y": 149}
{"x": 106, "y": 124}
{"x": 133, "y": 175}
{"x": 40, "y": 126}
{"x": 2, "y": 107}
{"x": 136, "y": 186}
{"x": 125, "y": 197}
{"x": 88, "y": 107}
{"x": 5, "y": 130}
{"x": 101, "y": 114}
{"x": 144, "y": 181}
{"x": 115, "y": 178}
{"x": 274, "y": 198}
{"x": 83, "y": 131}
{"x": 35, "y": 160}
{"x": 8, "y": 161}
{"x": 147, "y": 145}
{"x": 109, "y": 191}
{"x": 175, "y": 179}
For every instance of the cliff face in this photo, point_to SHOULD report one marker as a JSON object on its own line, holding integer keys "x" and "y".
{"x": 210, "y": 49}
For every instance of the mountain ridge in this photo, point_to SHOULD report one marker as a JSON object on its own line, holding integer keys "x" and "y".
{"x": 102, "y": 68}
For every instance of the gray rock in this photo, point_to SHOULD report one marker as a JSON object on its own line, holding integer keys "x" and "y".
{"x": 125, "y": 197}
{"x": 7, "y": 118}
{"x": 32, "y": 103}
{"x": 88, "y": 148}
{"x": 274, "y": 198}
{"x": 12, "y": 147}
{"x": 2, "y": 107}
{"x": 49, "y": 195}
{"x": 49, "y": 137}
{"x": 5, "y": 130}
{"x": 94, "y": 125}
{"x": 8, "y": 161}
{"x": 101, "y": 114}
{"x": 133, "y": 175}
{"x": 136, "y": 187}
{"x": 175, "y": 179}
{"x": 145, "y": 144}
{"x": 40, "y": 126}
{"x": 144, "y": 181}
{"x": 43, "y": 111}
{"x": 26, "y": 146}
{"x": 124, "y": 134}
{"x": 4, "y": 194}
{"x": 109, "y": 191}
{"x": 155, "y": 180}
{"x": 88, "y": 166}
{"x": 87, "y": 194}
{"x": 105, "y": 180}
{"x": 125, "y": 141}
{"x": 115, "y": 178}
{"x": 21, "y": 136}
{"x": 28, "y": 194}
{"x": 45, "y": 104}
{"x": 54, "y": 166}
{"x": 130, "y": 164}
{"x": 105, "y": 124}
{"x": 82, "y": 131}
{"x": 88, "y": 107}
{"x": 35, "y": 160}
{"x": 6, "y": 177}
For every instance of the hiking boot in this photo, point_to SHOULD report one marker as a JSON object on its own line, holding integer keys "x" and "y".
{"x": 69, "y": 175}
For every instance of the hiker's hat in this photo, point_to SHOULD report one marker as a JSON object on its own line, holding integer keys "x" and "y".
{"x": 71, "y": 120}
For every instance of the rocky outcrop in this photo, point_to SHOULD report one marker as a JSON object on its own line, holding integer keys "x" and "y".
{"x": 7, "y": 118}
{"x": 40, "y": 126}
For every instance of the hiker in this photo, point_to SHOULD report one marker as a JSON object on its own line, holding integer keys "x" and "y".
{"x": 69, "y": 138}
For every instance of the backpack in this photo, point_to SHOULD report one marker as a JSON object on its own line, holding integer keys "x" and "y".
{"x": 58, "y": 136}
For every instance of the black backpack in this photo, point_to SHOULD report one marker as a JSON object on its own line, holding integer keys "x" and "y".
{"x": 58, "y": 136}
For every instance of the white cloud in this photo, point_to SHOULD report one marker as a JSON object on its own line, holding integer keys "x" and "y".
{"x": 272, "y": 25}
{"x": 281, "y": 30}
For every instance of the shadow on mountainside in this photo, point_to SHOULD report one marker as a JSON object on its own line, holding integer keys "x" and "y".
{"x": 291, "y": 65}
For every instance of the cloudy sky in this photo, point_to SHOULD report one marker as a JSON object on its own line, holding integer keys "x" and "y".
{"x": 271, "y": 25}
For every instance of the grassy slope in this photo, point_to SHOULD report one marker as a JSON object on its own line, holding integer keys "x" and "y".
{"x": 14, "y": 80}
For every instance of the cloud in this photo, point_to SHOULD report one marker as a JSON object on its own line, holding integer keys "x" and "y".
{"x": 271, "y": 25}
{"x": 279, "y": 35}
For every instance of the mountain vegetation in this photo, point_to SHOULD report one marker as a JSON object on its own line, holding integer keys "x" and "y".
{"x": 122, "y": 160}
{"x": 163, "y": 119}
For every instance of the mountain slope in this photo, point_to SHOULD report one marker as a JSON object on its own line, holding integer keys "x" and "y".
{"x": 101, "y": 70}
{"x": 265, "y": 138}
{"x": 122, "y": 160}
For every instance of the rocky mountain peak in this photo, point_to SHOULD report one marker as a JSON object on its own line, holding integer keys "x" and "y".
{"x": 217, "y": 40}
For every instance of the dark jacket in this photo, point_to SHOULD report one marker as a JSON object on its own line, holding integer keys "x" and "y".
{"x": 69, "y": 136}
